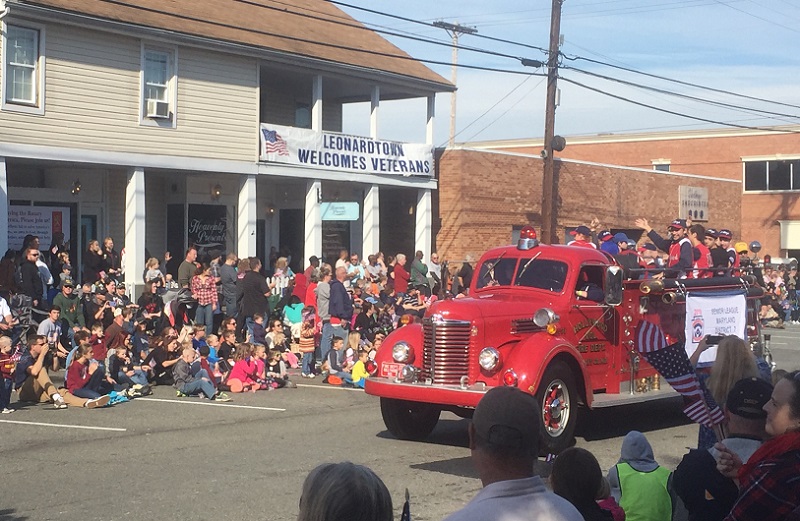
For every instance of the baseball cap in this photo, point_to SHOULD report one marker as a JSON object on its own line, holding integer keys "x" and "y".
{"x": 648, "y": 246}
{"x": 67, "y": 267}
{"x": 725, "y": 234}
{"x": 68, "y": 282}
{"x": 620, "y": 237}
{"x": 748, "y": 397}
{"x": 711, "y": 232}
{"x": 741, "y": 247}
{"x": 506, "y": 417}
{"x": 678, "y": 224}
{"x": 584, "y": 230}
{"x": 117, "y": 312}
{"x": 605, "y": 235}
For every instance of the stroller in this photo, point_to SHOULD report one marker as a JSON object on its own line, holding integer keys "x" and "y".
{"x": 25, "y": 318}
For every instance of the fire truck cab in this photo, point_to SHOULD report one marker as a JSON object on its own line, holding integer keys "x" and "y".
{"x": 527, "y": 323}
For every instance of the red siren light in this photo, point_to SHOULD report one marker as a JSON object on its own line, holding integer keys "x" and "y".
{"x": 527, "y": 238}
{"x": 527, "y": 232}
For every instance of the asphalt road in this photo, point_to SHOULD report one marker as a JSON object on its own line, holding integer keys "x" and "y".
{"x": 167, "y": 458}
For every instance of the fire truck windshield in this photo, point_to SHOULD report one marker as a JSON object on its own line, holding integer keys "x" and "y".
{"x": 532, "y": 273}
{"x": 541, "y": 274}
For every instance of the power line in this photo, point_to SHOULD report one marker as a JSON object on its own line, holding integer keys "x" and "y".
{"x": 686, "y": 96}
{"x": 674, "y": 113}
{"x": 315, "y": 42}
{"x": 419, "y": 22}
{"x": 513, "y": 105}
{"x": 758, "y": 17}
{"x": 680, "y": 82}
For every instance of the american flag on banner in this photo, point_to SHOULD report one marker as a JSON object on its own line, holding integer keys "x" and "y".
{"x": 673, "y": 364}
{"x": 274, "y": 143}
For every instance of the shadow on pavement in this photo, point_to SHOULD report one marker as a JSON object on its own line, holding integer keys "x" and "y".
{"x": 613, "y": 422}
{"x": 7, "y": 514}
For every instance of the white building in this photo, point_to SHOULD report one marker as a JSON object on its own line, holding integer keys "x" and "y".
{"x": 148, "y": 121}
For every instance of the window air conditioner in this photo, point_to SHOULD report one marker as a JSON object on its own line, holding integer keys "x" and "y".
{"x": 157, "y": 109}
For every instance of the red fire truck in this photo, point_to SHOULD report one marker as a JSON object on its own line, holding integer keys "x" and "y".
{"x": 523, "y": 325}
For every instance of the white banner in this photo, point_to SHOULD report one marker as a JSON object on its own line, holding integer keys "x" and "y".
{"x": 303, "y": 147}
{"x": 42, "y": 221}
{"x": 714, "y": 315}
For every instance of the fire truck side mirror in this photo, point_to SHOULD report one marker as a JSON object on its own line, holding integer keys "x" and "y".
{"x": 613, "y": 285}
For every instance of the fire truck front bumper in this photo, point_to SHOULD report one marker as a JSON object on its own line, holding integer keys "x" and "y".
{"x": 454, "y": 395}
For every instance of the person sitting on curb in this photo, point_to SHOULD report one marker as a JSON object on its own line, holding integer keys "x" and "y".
{"x": 32, "y": 382}
{"x": 187, "y": 383}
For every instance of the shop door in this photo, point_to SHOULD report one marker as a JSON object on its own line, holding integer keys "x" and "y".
{"x": 292, "y": 238}
{"x": 335, "y": 237}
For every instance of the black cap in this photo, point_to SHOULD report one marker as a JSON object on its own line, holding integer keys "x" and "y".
{"x": 748, "y": 397}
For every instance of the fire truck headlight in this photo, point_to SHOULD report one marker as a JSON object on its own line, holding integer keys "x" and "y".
{"x": 410, "y": 374}
{"x": 489, "y": 358}
{"x": 545, "y": 317}
{"x": 401, "y": 352}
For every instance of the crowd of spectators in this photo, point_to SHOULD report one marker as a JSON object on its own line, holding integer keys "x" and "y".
{"x": 208, "y": 324}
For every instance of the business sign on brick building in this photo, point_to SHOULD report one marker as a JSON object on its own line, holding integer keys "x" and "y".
{"x": 303, "y": 147}
{"x": 693, "y": 203}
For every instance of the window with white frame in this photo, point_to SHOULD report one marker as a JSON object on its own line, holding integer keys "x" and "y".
{"x": 772, "y": 176}
{"x": 22, "y": 64}
{"x": 158, "y": 85}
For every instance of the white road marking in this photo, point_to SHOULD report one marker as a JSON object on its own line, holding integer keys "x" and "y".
{"x": 211, "y": 404}
{"x": 64, "y": 426}
{"x": 332, "y": 387}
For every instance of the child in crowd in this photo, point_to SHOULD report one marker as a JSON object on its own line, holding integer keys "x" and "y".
{"x": 122, "y": 370}
{"x": 276, "y": 371}
{"x": 276, "y": 339}
{"x": 85, "y": 378}
{"x": 153, "y": 273}
{"x": 226, "y": 352}
{"x": 66, "y": 268}
{"x": 333, "y": 365}
{"x": 353, "y": 347}
{"x": 140, "y": 343}
{"x": 169, "y": 283}
{"x": 244, "y": 374}
{"x": 204, "y": 363}
{"x": 359, "y": 374}
{"x": 187, "y": 383}
{"x": 199, "y": 336}
{"x": 7, "y": 367}
{"x": 259, "y": 330}
{"x": 98, "y": 343}
{"x": 308, "y": 332}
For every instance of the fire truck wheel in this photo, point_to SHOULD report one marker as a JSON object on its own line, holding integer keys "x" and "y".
{"x": 409, "y": 420}
{"x": 557, "y": 395}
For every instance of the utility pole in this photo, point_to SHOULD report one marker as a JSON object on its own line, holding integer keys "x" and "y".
{"x": 550, "y": 179}
{"x": 454, "y": 30}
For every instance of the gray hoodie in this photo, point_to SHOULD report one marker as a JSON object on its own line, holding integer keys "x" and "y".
{"x": 636, "y": 452}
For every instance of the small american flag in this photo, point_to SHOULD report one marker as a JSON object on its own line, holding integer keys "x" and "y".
{"x": 673, "y": 364}
{"x": 274, "y": 143}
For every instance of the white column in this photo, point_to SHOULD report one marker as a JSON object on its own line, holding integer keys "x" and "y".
{"x": 422, "y": 237}
{"x": 246, "y": 219}
{"x": 316, "y": 105}
{"x": 4, "y": 206}
{"x": 431, "y": 117}
{"x": 373, "y": 114}
{"x": 371, "y": 224}
{"x": 135, "y": 229}
{"x": 313, "y": 225}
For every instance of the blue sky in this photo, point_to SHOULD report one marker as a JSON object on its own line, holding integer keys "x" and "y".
{"x": 749, "y": 47}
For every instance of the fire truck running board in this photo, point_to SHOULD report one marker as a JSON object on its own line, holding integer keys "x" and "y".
{"x": 601, "y": 400}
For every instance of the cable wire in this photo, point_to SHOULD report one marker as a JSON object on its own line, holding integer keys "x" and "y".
{"x": 674, "y": 113}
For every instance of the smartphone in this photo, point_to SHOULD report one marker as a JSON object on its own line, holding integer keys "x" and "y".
{"x": 713, "y": 340}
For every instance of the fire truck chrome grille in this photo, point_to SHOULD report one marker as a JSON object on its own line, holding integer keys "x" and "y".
{"x": 445, "y": 350}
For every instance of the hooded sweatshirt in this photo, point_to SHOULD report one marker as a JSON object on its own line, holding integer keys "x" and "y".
{"x": 638, "y": 483}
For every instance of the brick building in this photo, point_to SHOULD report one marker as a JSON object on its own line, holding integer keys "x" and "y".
{"x": 487, "y": 196}
{"x": 765, "y": 163}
